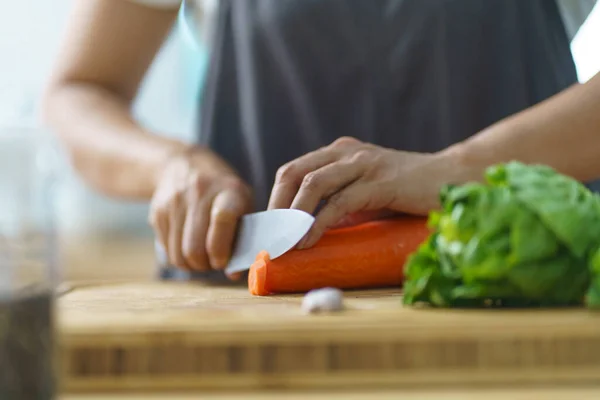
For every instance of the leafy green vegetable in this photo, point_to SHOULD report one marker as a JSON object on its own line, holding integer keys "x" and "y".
{"x": 593, "y": 294}
{"x": 529, "y": 236}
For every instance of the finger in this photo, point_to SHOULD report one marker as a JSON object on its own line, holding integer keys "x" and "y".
{"x": 290, "y": 176}
{"x": 235, "y": 276}
{"x": 194, "y": 234}
{"x": 322, "y": 183}
{"x": 177, "y": 216}
{"x": 227, "y": 208}
{"x": 352, "y": 199}
{"x": 362, "y": 217}
{"x": 159, "y": 221}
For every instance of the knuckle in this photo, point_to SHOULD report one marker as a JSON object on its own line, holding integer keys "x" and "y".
{"x": 201, "y": 183}
{"x": 158, "y": 214}
{"x": 345, "y": 141}
{"x": 162, "y": 201}
{"x": 156, "y": 227}
{"x": 169, "y": 201}
{"x": 312, "y": 181}
{"x": 177, "y": 202}
{"x": 235, "y": 184}
{"x": 363, "y": 156}
{"x": 286, "y": 173}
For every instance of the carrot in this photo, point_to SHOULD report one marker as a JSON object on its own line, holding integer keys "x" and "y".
{"x": 364, "y": 256}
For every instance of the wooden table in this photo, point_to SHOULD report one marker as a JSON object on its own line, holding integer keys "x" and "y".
{"x": 121, "y": 258}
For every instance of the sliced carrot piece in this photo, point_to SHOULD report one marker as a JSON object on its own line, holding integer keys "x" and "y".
{"x": 257, "y": 280}
{"x": 364, "y": 256}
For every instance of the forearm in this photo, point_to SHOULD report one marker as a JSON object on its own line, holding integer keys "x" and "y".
{"x": 106, "y": 146}
{"x": 562, "y": 132}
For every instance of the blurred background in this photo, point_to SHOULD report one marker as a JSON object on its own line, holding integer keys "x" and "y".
{"x": 30, "y": 31}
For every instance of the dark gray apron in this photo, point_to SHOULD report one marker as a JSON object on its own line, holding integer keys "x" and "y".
{"x": 289, "y": 76}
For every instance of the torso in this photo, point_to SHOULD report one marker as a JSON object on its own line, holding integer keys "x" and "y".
{"x": 289, "y": 76}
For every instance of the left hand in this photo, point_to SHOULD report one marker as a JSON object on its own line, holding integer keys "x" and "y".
{"x": 355, "y": 178}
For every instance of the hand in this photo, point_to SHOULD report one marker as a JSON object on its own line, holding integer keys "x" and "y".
{"x": 353, "y": 180}
{"x": 195, "y": 209}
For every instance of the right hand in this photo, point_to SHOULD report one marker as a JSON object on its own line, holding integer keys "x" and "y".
{"x": 195, "y": 209}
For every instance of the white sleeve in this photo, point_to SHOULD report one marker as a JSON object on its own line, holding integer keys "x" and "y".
{"x": 574, "y": 13}
{"x": 159, "y": 3}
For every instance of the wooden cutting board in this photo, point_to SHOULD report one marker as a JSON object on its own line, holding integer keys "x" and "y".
{"x": 144, "y": 336}
{"x": 528, "y": 393}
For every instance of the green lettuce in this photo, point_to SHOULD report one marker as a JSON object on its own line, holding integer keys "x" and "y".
{"x": 527, "y": 237}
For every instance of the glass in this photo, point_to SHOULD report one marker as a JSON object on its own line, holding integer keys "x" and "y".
{"x": 28, "y": 268}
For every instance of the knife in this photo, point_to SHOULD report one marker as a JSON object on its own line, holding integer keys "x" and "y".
{"x": 274, "y": 231}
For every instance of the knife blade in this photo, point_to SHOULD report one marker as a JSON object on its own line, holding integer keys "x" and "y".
{"x": 274, "y": 231}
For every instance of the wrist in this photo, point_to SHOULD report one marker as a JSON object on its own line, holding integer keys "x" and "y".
{"x": 461, "y": 164}
{"x": 169, "y": 150}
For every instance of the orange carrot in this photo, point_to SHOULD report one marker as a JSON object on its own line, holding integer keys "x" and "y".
{"x": 364, "y": 256}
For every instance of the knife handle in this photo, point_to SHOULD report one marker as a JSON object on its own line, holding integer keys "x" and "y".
{"x": 168, "y": 272}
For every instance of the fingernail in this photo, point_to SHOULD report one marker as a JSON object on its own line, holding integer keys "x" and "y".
{"x": 302, "y": 244}
{"x": 236, "y": 276}
{"x": 219, "y": 263}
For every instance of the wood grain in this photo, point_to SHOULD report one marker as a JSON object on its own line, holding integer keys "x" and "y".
{"x": 97, "y": 258}
{"x": 142, "y": 336}
{"x": 533, "y": 393}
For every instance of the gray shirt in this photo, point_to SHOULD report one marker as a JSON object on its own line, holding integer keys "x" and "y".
{"x": 289, "y": 76}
